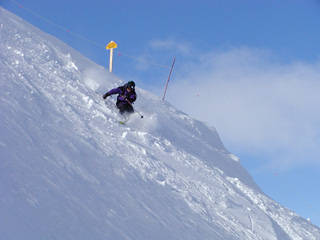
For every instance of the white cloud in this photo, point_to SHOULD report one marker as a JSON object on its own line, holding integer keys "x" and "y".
{"x": 259, "y": 106}
{"x": 177, "y": 46}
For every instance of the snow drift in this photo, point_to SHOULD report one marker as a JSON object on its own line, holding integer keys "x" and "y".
{"x": 68, "y": 170}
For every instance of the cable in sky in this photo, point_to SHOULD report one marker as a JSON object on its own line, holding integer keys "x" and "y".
{"x": 79, "y": 36}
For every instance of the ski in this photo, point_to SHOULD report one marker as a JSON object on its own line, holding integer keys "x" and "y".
{"x": 122, "y": 122}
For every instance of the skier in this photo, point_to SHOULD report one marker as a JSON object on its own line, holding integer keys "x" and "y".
{"x": 127, "y": 95}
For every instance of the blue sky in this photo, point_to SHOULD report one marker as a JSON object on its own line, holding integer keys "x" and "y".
{"x": 250, "y": 68}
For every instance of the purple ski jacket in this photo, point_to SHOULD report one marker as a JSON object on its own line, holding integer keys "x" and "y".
{"x": 123, "y": 94}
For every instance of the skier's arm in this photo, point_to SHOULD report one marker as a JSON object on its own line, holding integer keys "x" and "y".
{"x": 111, "y": 92}
{"x": 132, "y": 98}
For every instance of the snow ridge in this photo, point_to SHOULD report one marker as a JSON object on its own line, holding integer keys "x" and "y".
{"x": 69, "y": 170}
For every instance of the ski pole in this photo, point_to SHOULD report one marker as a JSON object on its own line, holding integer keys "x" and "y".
{"x": 134, "y": 110}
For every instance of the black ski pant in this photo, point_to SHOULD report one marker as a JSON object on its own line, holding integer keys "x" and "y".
{"x": 124, "y": 107}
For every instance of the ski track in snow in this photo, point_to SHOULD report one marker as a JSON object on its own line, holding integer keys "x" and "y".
{"x": 71, "y": 168}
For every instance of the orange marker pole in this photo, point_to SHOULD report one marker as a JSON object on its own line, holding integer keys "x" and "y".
{"x": 165, "y": 89}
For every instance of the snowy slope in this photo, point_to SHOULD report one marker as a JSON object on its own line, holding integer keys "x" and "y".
{"x": 69, "y": 170}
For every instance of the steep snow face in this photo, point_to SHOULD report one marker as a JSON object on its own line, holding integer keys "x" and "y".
{"x": 69, "y": 170}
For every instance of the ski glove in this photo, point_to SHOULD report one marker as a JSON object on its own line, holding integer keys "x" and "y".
{"x": 105, "y": 95}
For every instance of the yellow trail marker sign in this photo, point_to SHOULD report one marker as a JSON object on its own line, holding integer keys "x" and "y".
{"x": 110, "y": 46}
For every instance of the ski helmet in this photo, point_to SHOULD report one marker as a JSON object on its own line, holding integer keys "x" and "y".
{"x": 131, "y": 84}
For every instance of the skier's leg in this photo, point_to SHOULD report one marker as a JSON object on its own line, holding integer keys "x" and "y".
{"x": 121, "y": 106}
{"x": 129, "y": 108}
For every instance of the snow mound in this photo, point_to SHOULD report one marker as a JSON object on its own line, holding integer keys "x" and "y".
{"x": 69, "y": 170}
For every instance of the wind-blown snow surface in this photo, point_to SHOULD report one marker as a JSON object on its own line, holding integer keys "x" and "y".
{"x": 69, "y": 170}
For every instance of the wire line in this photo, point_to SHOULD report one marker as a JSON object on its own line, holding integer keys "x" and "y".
{"x": 79, "y": 36}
